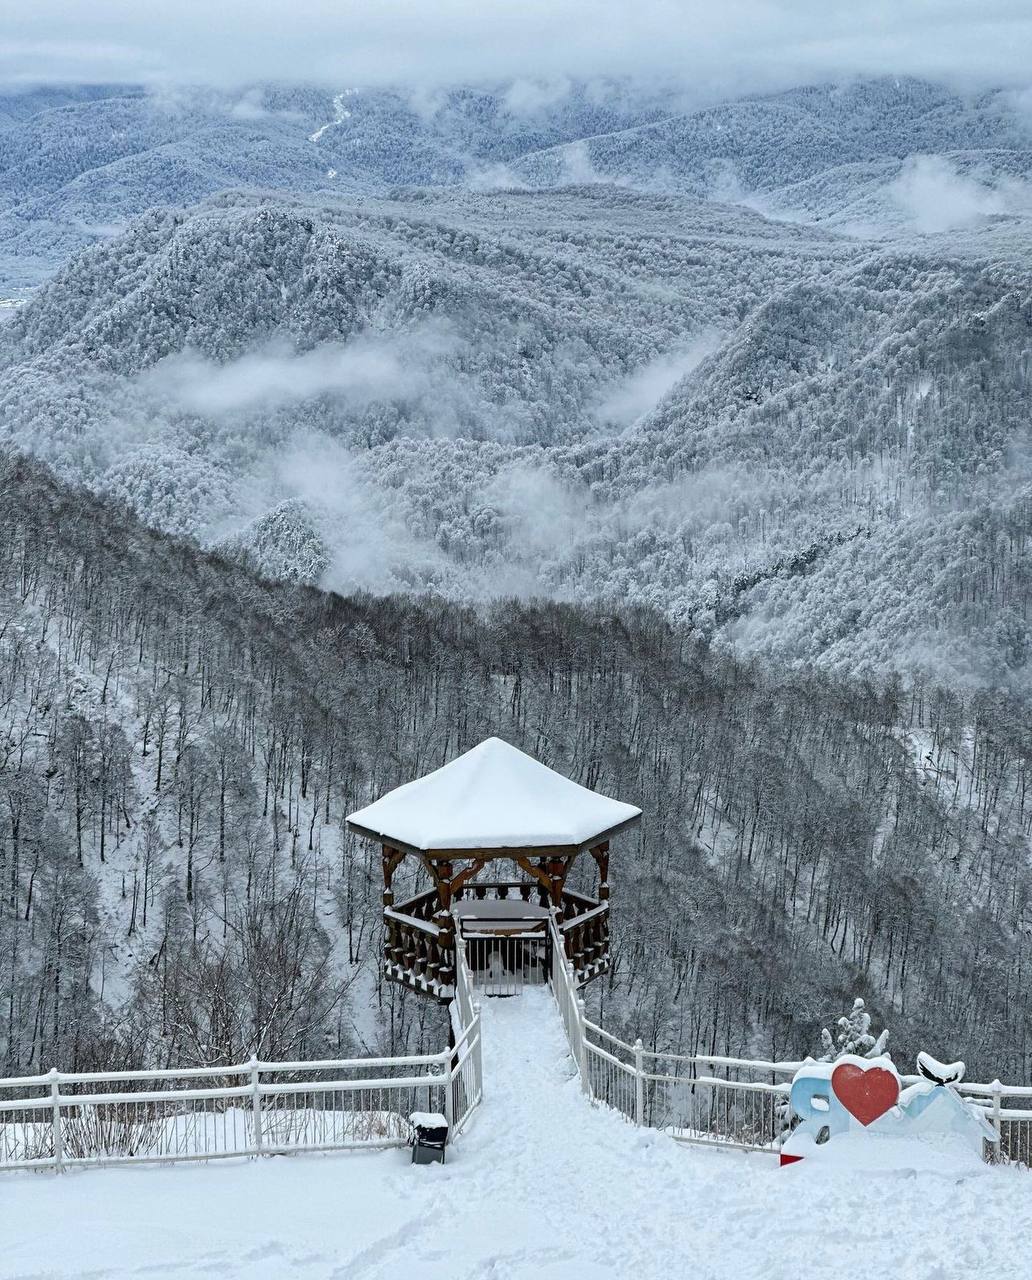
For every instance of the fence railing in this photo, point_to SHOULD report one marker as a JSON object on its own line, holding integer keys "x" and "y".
{"x": 258, "y": 1108}
{"x": 744, "y": 1103}
{"x": 563, "y": 981}
{"x": 503, "y": 964}
{"x": 738, "y": 1103}
{"x": 723, "y": 1101}
{"x": 466, "y": 1069}
{"x": 63, "y": 1119}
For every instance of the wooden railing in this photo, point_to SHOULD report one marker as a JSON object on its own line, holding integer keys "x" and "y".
{"x": 414, "y": 954}
{"x": 419, "y": 953}
{"x": 586, "y": 941}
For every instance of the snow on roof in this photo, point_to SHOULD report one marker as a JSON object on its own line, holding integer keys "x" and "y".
{"x": 493, "y": 797}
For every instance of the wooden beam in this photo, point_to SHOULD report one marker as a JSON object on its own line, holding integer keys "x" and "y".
{"x": 465, "y": 876}
{"x": 525, "y": 864}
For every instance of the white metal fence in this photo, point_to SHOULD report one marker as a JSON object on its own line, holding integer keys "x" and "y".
{"x": 724, "y": 1101}
{"x": 503, "y": 964}
{"x": 60, "y": 1119}
{"x": 466, "y": 1066}
{"x": 563, "y": 981}
{"x": 730, "y": 1102}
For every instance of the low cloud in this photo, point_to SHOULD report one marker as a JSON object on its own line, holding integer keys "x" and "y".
{"x": 935, "y": 196}
{"x": 626, "y": 401}
{"x": 495, "y": 177}
{"x": 541, "y": 516}
{"x": 252, "y": 105}
{"x": 716, "y": 48}
{"x": 368, "y": 545}
{"x": 360, "y": 373}
{"x": 578, "y": 169}
{"x": 530, "y": 97}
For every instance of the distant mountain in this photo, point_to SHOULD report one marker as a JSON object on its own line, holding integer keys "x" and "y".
{"x": 77, "y": 164}
{"x": 809, "y": 441}
{"x": 757, "y": 145}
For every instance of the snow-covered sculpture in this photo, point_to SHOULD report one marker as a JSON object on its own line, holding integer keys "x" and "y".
{"x": 855, "y": 1095}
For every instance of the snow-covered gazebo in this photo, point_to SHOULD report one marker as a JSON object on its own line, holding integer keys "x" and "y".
{"x": 492, "y": 803}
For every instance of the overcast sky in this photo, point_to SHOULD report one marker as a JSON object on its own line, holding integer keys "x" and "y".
{"x": 716, "y": 44}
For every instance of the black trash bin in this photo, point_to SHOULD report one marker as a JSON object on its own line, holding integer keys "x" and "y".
{"x": 429, "y": 1137}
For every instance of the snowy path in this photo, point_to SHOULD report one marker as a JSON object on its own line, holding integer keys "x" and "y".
{"x": 542, "y": 1186}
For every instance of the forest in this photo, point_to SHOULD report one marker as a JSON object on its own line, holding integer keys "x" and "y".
{"x": 796, "y": 445}
{"x": 180, "y": 740}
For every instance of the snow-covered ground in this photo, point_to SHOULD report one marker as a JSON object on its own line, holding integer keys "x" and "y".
{"x": 541, "y": 1186}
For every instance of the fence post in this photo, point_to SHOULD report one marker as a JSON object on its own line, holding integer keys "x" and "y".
{"x": 256, "y": 1102}
{"x": 639, "y": 1082}
{"x": 582, "y": 1052}
{"x": 997, "y": 1089}
{"x": 449, "y": 1101}
{"x": 55, "y": 1111}
{"x": 478, "y": 1059}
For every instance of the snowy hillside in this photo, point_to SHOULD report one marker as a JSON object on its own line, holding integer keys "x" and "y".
{"x": 756, "y": 146}
{"x": 541, "y": 1185}
{"x": 179, "y": 743}
{"x": 594, "y": 393}
{"x": 414, "y": 359}
{"x": 77, "y": 164}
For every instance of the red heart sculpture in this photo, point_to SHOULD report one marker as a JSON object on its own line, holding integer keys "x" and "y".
{"x": 865, "y": 1092}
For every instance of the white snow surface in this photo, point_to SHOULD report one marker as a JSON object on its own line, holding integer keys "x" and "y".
{"x": 541, "y": 1187}
{"x": 492, "y": 797}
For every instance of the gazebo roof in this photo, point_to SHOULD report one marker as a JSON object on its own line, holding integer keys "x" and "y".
{"x": 493, "y": 797}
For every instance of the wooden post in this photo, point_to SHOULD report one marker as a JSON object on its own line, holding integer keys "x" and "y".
{"x": 445, "y": 922}
{"x": 601, "y": 855}
{"x": 639, "y": 1082}
{"x": 391, "y": 860}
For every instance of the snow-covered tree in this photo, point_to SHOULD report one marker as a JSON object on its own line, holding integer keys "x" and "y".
{"x": 853, "y": 1037}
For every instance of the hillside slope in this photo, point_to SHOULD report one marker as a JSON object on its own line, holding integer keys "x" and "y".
{"x": 179, "y": 743}
{"x": 76, "y": 165}
{"x": 595, "y": 394}
{"x": 757, "y": 145}
{"x": 223, "y": 333}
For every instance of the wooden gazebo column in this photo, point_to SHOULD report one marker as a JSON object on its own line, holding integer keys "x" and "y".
{"x": 549, "y": 870}
{"x": 601, "y": 855}
{"x": 393, "y": 950}
{"x": 391, "y": 860}
{"x": 442, "y": 876}
{"x": 447, "y": 883}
